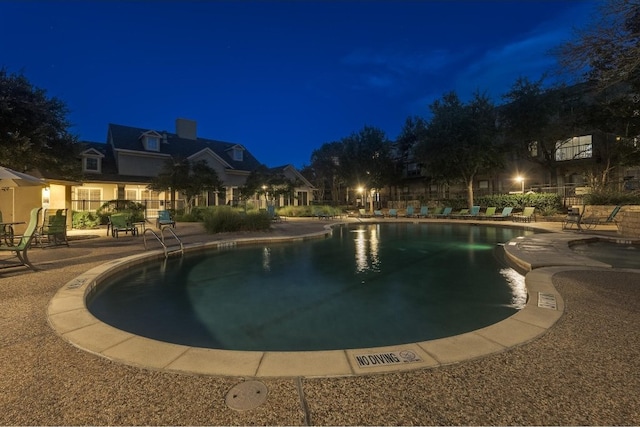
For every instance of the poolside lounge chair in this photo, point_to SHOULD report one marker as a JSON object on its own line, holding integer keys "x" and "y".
{"x": 273, "y": 215}
{"x": 474, "y": 211}
{"x": 378, "y": 214}
{"x": 409, "y": 212}
{"x": 489, "y": 213}
{"x": 363, "y": 213}
{"x": 436, "y": 211}
{"x": 54, "y": 228}
{"x": 526, "y": 215}
{"x": 446, "y": 212}
{"x": 121, "y": 223}
{"x": 590, "y": 221}
{"x": 165, "y": 219}
{"x": 506, "y": 213}
{"x": 424, "y": 212}
{"x": 393, "y": 213}
{"x": 461, "y": 213}
{"x": 22, "y": 246}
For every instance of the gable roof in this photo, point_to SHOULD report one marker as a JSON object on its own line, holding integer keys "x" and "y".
{"x": 128, "y": 138}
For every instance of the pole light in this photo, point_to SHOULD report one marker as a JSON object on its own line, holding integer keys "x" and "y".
{"x": 520, "y": 179}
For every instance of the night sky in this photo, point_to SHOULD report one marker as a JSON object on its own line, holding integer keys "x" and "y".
{"x": 281, "y": 78}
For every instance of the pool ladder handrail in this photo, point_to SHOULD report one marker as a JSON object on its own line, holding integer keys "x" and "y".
{"x": 160, "y": 239}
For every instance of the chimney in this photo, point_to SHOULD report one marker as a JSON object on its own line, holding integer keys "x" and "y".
{"x": 186, "y": 128}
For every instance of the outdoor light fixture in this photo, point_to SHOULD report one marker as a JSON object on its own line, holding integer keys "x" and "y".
{"x": 520, "y": 179}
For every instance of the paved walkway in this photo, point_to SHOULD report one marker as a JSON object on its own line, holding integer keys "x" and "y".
{"x": 582, "y": 370}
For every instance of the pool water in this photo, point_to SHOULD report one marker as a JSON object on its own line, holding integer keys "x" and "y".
{"x": 365, "y": 286}
{"x": 618, "y": 255}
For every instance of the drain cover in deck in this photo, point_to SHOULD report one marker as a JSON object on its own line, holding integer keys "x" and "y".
{"x": 246, "y": 395}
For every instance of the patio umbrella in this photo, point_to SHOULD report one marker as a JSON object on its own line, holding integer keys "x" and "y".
{"x": 11, "y": 178}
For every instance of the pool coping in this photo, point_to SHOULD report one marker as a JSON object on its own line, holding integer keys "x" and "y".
{"x": 68, "y": 316}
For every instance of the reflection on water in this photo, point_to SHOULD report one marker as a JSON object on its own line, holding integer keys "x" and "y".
{"x": 518, "y": 289}
{"x": 367, "y": 246}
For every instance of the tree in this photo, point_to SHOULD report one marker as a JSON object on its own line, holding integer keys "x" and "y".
{"x": 608, "y": 49}
{"x": 34, "y": 129}
{"x": 365, "y": 159}
{"x": 324, "y": 170}
{"x": 461, "y": 140}
{"x": 190, "y": 178}
{"x": 535, "y": 119}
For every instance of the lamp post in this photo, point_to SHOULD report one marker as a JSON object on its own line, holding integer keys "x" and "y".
{"x": 520, "y": 179}
{"x": 362, "y": 194}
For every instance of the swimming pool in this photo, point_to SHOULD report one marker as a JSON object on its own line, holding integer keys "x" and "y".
{"x": 365, "y": 286}
{"x": 619, "y": 254}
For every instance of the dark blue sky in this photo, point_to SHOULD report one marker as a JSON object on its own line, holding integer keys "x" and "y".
{"x": 281, "y": 78}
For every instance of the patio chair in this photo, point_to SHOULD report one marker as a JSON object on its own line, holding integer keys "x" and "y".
{"x": 409, "y": 212}
{"x": 424, "y": 212}
{"x": 378, "y": 214}
{"x": 474, "y": 211}
{"x": 53, "y": 231}
{"x": 506, "y": 213}
{"x": 446, "y": 213}
{"x": 592, "y": 221}
{"x": 393, "y": 213}
{"x": 489, "y": 213}
{"x": 436, "y": 211}
{"x": 165, "y": 219}
{"x": 121, "y": 223}
{"x": 526, "y": 216}
{"x": 363, "y": 213}
{"x": 23, "y": 245}
{"x": 460, "y": 214}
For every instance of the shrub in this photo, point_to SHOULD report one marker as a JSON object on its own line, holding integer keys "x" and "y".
{"x": 133, "y": 209}
{"x": 605, "y": 198}
{"x": 546, "y": 203}
{"x": 84, "y": 219}
{"x": 225, "y": 219}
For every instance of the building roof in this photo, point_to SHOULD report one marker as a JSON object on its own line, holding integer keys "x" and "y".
{"x": 128, "y": 138}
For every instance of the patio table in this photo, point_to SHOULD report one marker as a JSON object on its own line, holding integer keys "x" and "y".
{"x": 6, "y": 232}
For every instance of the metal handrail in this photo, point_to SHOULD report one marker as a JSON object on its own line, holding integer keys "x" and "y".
{"x": 160, "y": 239}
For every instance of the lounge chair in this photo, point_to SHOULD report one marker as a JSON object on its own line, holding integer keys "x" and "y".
{"x": 590, "y": 221}
{"x": 446, "y": 213}
{"x": 54, "y": 228}
{"x": 473, "y": 212}
{"x": 409, "y": 212}
{"x": 165, "y": 219}
{"x": 489, "y": 213}
{"x": 436, "y": 211}
{"x": 363, "y": 213}
{"x": 424, "y": 212}
{"x": 393, "y": 213}
{"x": 121, "y": 223}
{"x": 378, "y": 214}
{"x": 461, "y": 213}
{"x": 506, "y": 213}
{"x": 23, "y": 245}
{"x": 526, "y": 216}
{"x": 273, "y": 215}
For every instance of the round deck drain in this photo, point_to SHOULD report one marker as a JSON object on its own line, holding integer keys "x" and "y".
{"x": 246, "y": 395}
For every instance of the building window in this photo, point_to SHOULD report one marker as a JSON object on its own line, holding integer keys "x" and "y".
{"x": 238, "y": 154}
{"x": 152, "y": 143}
{"x": 91, "y": 164}
{"x": 578, "y": 147}
{"x": 483, "y": 185}
{"x": 87, "y": 199}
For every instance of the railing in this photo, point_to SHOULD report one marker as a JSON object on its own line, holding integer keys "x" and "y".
{"x": 160, "y": 239}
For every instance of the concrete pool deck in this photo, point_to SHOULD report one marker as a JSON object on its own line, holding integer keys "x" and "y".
{"x": 580, "y": 370}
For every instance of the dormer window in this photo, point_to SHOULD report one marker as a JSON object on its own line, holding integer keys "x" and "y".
{"x": 92, "y": 161}
{"x": 237, "y": 153}
{"x": 151, "y": 141}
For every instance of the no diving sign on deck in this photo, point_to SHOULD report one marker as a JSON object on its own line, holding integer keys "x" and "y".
{"x": 386, "y": 358}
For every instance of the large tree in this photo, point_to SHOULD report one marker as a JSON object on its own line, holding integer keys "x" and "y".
{"x": 535, "y": 119}
{"x": 190, "y": 178}
{"x": 324, "y": 171}
{"x": 461, "y": 140}
{"x": 34, "y": 130}
{"x": 365, "y": 159}
{"x": 607, "y": 50}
